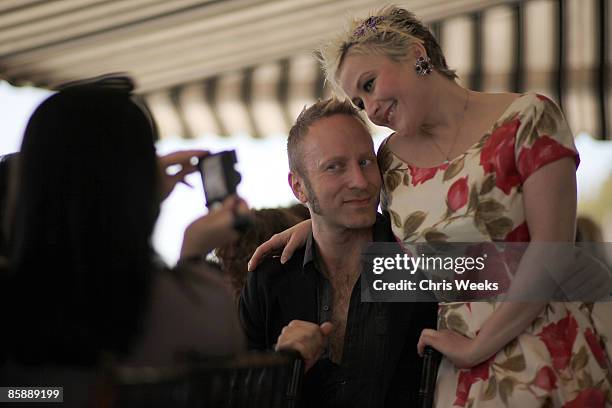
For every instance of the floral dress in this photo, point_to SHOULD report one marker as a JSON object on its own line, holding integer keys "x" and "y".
{"x": 562, "y": 358}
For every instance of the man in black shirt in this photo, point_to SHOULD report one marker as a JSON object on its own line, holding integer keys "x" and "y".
{"x": 356, "y": 353}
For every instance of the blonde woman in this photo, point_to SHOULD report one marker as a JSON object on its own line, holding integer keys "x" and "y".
{"x": 456, "y": 153}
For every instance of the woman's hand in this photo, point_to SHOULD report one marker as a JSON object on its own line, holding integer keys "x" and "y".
{"x": 460, "y": 350}
{"x": 213, "y": 229}
{"x": 291, "y": 239}
{"x": 181, "y": 158}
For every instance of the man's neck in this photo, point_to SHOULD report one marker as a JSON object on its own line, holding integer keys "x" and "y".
{"x": 339, "y": 249}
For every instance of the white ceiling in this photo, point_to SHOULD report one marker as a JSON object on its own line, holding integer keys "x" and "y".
{"x": 164, "y": 43}
{"x": 245, "y": 66}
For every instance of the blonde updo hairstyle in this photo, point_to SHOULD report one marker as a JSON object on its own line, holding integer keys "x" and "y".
{"x": 391, "y": 31}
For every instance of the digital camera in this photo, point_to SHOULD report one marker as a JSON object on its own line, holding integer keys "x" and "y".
{"x": 219, "y": 176}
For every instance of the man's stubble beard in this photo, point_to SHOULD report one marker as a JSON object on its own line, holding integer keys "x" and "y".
{"x": 313, "y": 201}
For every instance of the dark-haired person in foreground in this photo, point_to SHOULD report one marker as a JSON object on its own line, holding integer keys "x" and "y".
{"x": 356, "y": 353}
{"x": 6, "y": 161}
{"x": 84, "y": 285}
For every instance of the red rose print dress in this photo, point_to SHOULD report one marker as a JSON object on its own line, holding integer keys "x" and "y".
{"x": 562, "y": 359}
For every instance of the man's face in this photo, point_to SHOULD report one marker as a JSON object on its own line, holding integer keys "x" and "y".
{"x": 342, "y": 182}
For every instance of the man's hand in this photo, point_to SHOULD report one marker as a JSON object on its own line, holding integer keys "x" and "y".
{"x": 309, "y": 339}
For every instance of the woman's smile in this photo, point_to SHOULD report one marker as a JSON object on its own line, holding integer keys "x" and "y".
{"x": 389, "y": 114}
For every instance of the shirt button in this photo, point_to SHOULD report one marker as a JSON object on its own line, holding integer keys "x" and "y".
{"x": 326, "y": 308}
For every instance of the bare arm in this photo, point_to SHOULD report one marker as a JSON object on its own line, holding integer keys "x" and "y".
{"x": 549, "y": 199}
{"x": 213, "y": 229}
{"x": 291, "y": 239}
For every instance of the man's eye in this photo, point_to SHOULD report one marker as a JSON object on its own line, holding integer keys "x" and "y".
{"x": 333, "y": 167}
{"x": 365, "y": 162}
{"x": 367, "y": 86}
{"x": 359, "y": 104}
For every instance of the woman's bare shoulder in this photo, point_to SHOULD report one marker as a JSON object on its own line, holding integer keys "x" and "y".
{"x": 498, "y": 101}
{"x": 489, "y": 107}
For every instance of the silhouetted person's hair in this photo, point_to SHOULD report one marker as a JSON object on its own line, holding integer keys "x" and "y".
{"x": 6, "y": 162}
{"x": 86, "y": 203}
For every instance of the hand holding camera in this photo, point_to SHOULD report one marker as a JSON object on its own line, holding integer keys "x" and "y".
{"x": 182, "y": 159}
{"x": 215, "y": 228}
{"x": 228, "y": 215}
{"x": 220, "y": 180}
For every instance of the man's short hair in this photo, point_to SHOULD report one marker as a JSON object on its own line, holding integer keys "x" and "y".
{"x": 308, "y": 117}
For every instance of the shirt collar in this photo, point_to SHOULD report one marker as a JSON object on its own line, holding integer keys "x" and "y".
{"x": 381, "y": 231}
{"x": 309, "y": 253}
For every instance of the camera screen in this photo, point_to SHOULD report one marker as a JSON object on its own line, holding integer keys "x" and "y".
{"x": 214, "y": 180}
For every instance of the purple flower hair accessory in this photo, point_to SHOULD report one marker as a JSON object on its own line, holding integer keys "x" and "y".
{"x": 367, "y": 24}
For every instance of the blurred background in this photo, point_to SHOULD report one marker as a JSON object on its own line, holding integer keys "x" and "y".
{"x": 234, "y": 74}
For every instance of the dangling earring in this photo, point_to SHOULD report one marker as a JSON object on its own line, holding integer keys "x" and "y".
{"x": 423, "y": 66}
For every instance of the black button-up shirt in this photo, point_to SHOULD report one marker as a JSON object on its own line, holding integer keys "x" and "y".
{"x": 379, "y": 364}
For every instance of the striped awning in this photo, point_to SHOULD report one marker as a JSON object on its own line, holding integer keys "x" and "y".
{"x": 246, "y": 66}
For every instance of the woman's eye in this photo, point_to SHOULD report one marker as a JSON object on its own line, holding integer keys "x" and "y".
{"x": 359, "y": 104}
{"x": 367, "y": 86}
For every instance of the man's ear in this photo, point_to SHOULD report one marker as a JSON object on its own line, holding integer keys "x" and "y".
{"x": 297, "y": 186}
